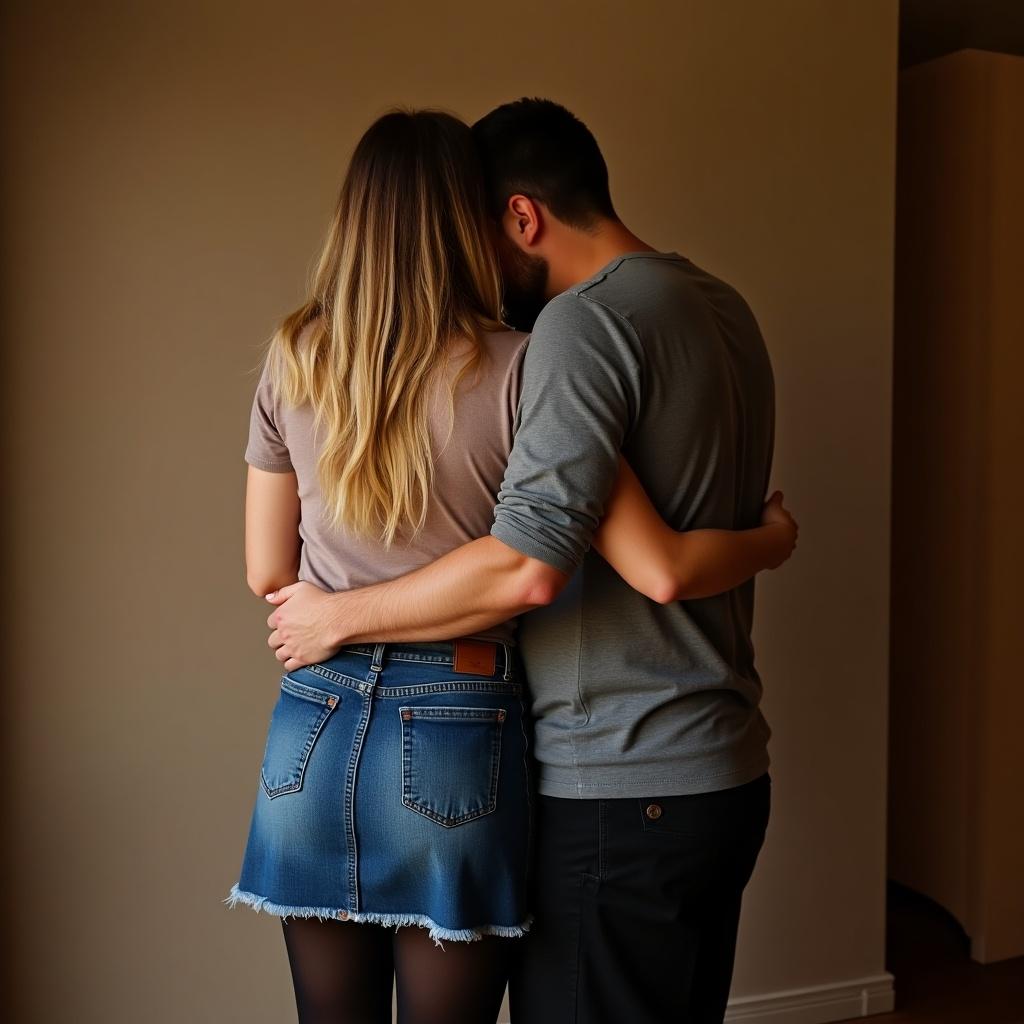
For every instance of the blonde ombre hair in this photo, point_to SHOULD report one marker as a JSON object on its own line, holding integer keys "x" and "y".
{"x": 407, "y": 269}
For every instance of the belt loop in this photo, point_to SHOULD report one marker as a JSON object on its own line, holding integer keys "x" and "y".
{"x": 508, "y": 661}
{"x": 376, "y": 663}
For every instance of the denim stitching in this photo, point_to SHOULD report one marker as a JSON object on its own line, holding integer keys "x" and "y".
{"x": 512, "y": 688}
{"x": 430, "y": 659}
{"x": 303, "y": 691}
{"x": 367, "y": 652}
{"x": 495, "y": 715}
{"x": 448, "y": 822}
{"x": 304, "y": 758}
{"x": 492, "y": 798}
{"x": 350, "y": 792}
{"x": 473, "y": 714}
{"x": 337, "y": 677}
{"x": 449, "y": 687}
{"x": 322, "y": 698}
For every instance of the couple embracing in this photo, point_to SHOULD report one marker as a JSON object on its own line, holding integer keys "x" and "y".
{"x": 517, "y": 739}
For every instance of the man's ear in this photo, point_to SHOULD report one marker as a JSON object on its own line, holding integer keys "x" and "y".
{"x": 524, "y": 220}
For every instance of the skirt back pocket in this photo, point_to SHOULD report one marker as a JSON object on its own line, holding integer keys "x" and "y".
{"x": 298, "y": 717}
{"x": 450, "y": 761}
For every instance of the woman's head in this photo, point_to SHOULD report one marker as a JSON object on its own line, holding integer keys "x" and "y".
{"x": 411, "y": 222}
{"x": 408, "y": 268}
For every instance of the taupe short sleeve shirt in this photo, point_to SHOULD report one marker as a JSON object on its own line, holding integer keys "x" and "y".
{"x": 468, "y": 471}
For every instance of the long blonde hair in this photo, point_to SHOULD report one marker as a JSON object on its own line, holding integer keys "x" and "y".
{"x": 407, "y": 268}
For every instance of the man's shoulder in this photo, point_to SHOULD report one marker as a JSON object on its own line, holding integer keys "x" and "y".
{"x": 654, "y": 267}
{"x": 659, "y": 291}
{"x": 636, "y": 284}
{"x": 577, "y": 308}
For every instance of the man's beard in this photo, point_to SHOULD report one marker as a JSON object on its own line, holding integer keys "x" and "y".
{"x": 524, "y": 287}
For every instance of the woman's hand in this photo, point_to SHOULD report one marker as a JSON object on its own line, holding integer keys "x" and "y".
{"x": 775, "y": 515}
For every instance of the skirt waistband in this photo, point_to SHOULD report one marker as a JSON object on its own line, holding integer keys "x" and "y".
{"x": 466, "y": 655}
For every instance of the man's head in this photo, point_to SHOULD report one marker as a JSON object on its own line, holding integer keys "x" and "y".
{"x": 547, "y": 184}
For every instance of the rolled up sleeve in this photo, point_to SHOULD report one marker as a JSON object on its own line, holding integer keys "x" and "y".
{"x": 579, "y": 400}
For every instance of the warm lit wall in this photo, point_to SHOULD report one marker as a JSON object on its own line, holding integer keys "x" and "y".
{"x": 957, "y": 762}
{"x": 168, "y": 170}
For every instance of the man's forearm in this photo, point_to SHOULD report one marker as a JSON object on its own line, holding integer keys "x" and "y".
{"x": 471, "y": 588}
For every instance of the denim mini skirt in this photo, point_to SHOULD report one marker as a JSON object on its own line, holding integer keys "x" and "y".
{"x": 396, "y": 790}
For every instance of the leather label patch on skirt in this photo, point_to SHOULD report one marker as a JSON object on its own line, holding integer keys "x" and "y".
{"x": 475, "y": 657}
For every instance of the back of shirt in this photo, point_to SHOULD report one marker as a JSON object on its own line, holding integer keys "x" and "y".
{"x": 468, "y": 468}
{"x": 657, "y": 358}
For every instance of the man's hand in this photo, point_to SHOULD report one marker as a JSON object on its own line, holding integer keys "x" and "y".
{"x": 300, "y": 624}
{"x": 470, "y": 588}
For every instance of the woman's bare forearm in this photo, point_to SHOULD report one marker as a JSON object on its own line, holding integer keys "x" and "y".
{"x": 709, "y": 562}
{"x": 669, "y": 565}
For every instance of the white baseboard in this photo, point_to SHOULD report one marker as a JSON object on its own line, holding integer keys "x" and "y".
{"x": 817, "y": 1004}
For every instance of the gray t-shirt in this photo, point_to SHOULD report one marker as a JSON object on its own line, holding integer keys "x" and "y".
{"x": 657, "y": 358}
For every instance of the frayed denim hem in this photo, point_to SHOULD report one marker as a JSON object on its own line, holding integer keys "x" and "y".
{"x": 437, "y": 932}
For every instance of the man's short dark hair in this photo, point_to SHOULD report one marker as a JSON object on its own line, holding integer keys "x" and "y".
{"x": 538, "y": 148}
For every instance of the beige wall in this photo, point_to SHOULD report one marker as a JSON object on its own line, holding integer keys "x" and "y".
{"x": 168, "y": 171}
{"x": 957, "y": 818}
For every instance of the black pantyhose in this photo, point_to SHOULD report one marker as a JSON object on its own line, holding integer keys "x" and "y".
{"x": 343, "y": 973}
{"x": 462, "y": 982}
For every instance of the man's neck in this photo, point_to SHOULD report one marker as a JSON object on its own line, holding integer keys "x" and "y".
{"x": 590, "y": 251}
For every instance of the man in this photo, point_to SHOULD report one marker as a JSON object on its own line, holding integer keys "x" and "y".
{"x": 653, "y": 783}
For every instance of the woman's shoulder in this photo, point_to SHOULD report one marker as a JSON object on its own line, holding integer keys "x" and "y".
{"x": 504, "y": 346}
{"x": 498, "y": 366}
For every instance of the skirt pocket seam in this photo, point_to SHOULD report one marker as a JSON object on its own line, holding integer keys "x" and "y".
{"x": 311, "y": 695}
{"x": 493, "y": 716}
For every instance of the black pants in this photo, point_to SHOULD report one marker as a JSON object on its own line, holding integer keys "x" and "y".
{"x": 636, "y": 905}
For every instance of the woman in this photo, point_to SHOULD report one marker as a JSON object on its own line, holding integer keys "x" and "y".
{"x": 394, "y": 788}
